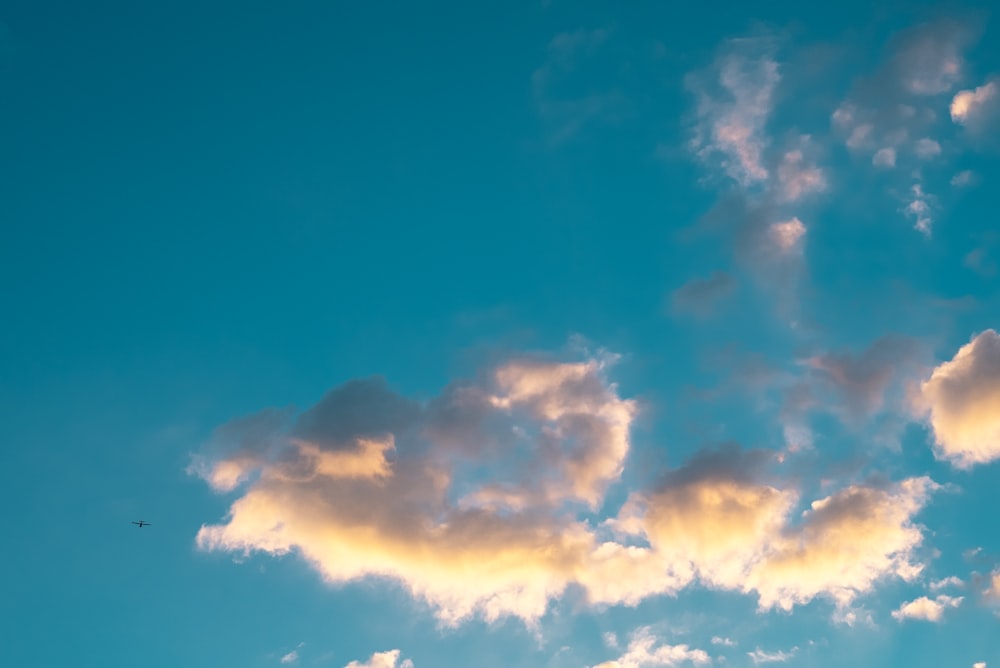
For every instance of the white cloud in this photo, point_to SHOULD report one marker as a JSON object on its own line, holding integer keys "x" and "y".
{"x": 927, "y": 148}
{"x": 797, "y": 178}
{"x": 291, "y": 657}
{"x": 969, "y": 104}
{"x": 979, "y": 664}
{"x": 733, "y": 108}
{"x": 963, "y": 178}
{"x": 473, "y": 501}
{"x": 843, "y": 545}
{"x": 726, "y": 642}
{"x": 644, "y": 652}
{"x": 610, "y": 639}
{"x": 388, "y": 659}
{"x": 759, "y": 656}
{"x": 992, "y": 591}
{"x": 919, "y": 208}
{"x": 931, "y": 610}
{"x": 787, "y": 235}
{"x": 885, "y": 157}
{"x": 480, "y": 553}
{"x": 944, "y": 583}
{"x": 962, "y": 401}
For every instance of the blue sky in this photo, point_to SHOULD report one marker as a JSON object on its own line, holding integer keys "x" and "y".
{"x": 538, "y": 334}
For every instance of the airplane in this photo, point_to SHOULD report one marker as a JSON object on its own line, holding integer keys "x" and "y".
{"x": 142, "y": 523}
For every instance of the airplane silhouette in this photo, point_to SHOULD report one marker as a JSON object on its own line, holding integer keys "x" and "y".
{"x": 142, "y": 523}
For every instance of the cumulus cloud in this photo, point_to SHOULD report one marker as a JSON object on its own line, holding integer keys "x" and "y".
{"x": 979, "y": 664}
{"x": 713, "y": 519}
{"x": 644, "y": 651}
{"x": 291, "y": 657}
{"x": 961, "y": 400}
{"x": 969, "y": 106}
{"x": 388, "y": 659}
{"x": 700, "y": 296}
{"x": 759, "y": 656}
{"x": 473, "y": 502}
{"x": 931, "y": 610}
{"x": 734, "y": 101}
{"x": 843, "y": 545}
{"x": 727, "y": 642}
{"x": 367, "y": 483}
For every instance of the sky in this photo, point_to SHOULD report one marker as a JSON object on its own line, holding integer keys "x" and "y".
{"x": 525, "y": 334}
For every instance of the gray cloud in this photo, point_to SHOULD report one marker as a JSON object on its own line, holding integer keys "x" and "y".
{"x": 701, "y": 296}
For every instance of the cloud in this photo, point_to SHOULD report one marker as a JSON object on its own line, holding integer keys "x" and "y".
{"x": 475, "y": 502}
{"x": 644, "y": 652}
{"x": 787, "y": 235}
{"x": 964, "y": 178}
{"x": 885, "y": 157}
{"x": 950, "y": 581}
{"x": 759, "y": 656}
{"x": 862, "y": 380}
{"x": 927, "y": 148}
{"x": 797, "y": 177}
{"x": 979, "y": 664}
{"x": 971, "y": 107}
{"x": 931, "y": 610}
{"x": 710, "y": 518}
{"x": 919, "y": 208}
{"x": 565, "y": 105}
{"x": 734, "y": 101}
{"x": 962, "y": 402}
{"x": 727, "y": 642}
{"x": 462, "y": 501}
{"x": 843, "y": 545}
{"x": 992, "y": 591}
{"x": 700, "y": 296}
{"x": 388, "y": 659}
{"x": 291, "y": 657}
{"x": 928, "y": 59}
{"x": 893, "y": 114}
{"x": 713, "y": 519}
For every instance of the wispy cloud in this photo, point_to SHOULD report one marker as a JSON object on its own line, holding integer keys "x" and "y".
{"x": 567, "y": 108}
{"x": 759, "y": 656}
{"x": 734, "y": 102}
{"x": 701, "y": 296}
{"x": 944, "y": 583}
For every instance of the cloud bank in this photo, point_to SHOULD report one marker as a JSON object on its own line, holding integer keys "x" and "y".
{"x": 477, "y": 501}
